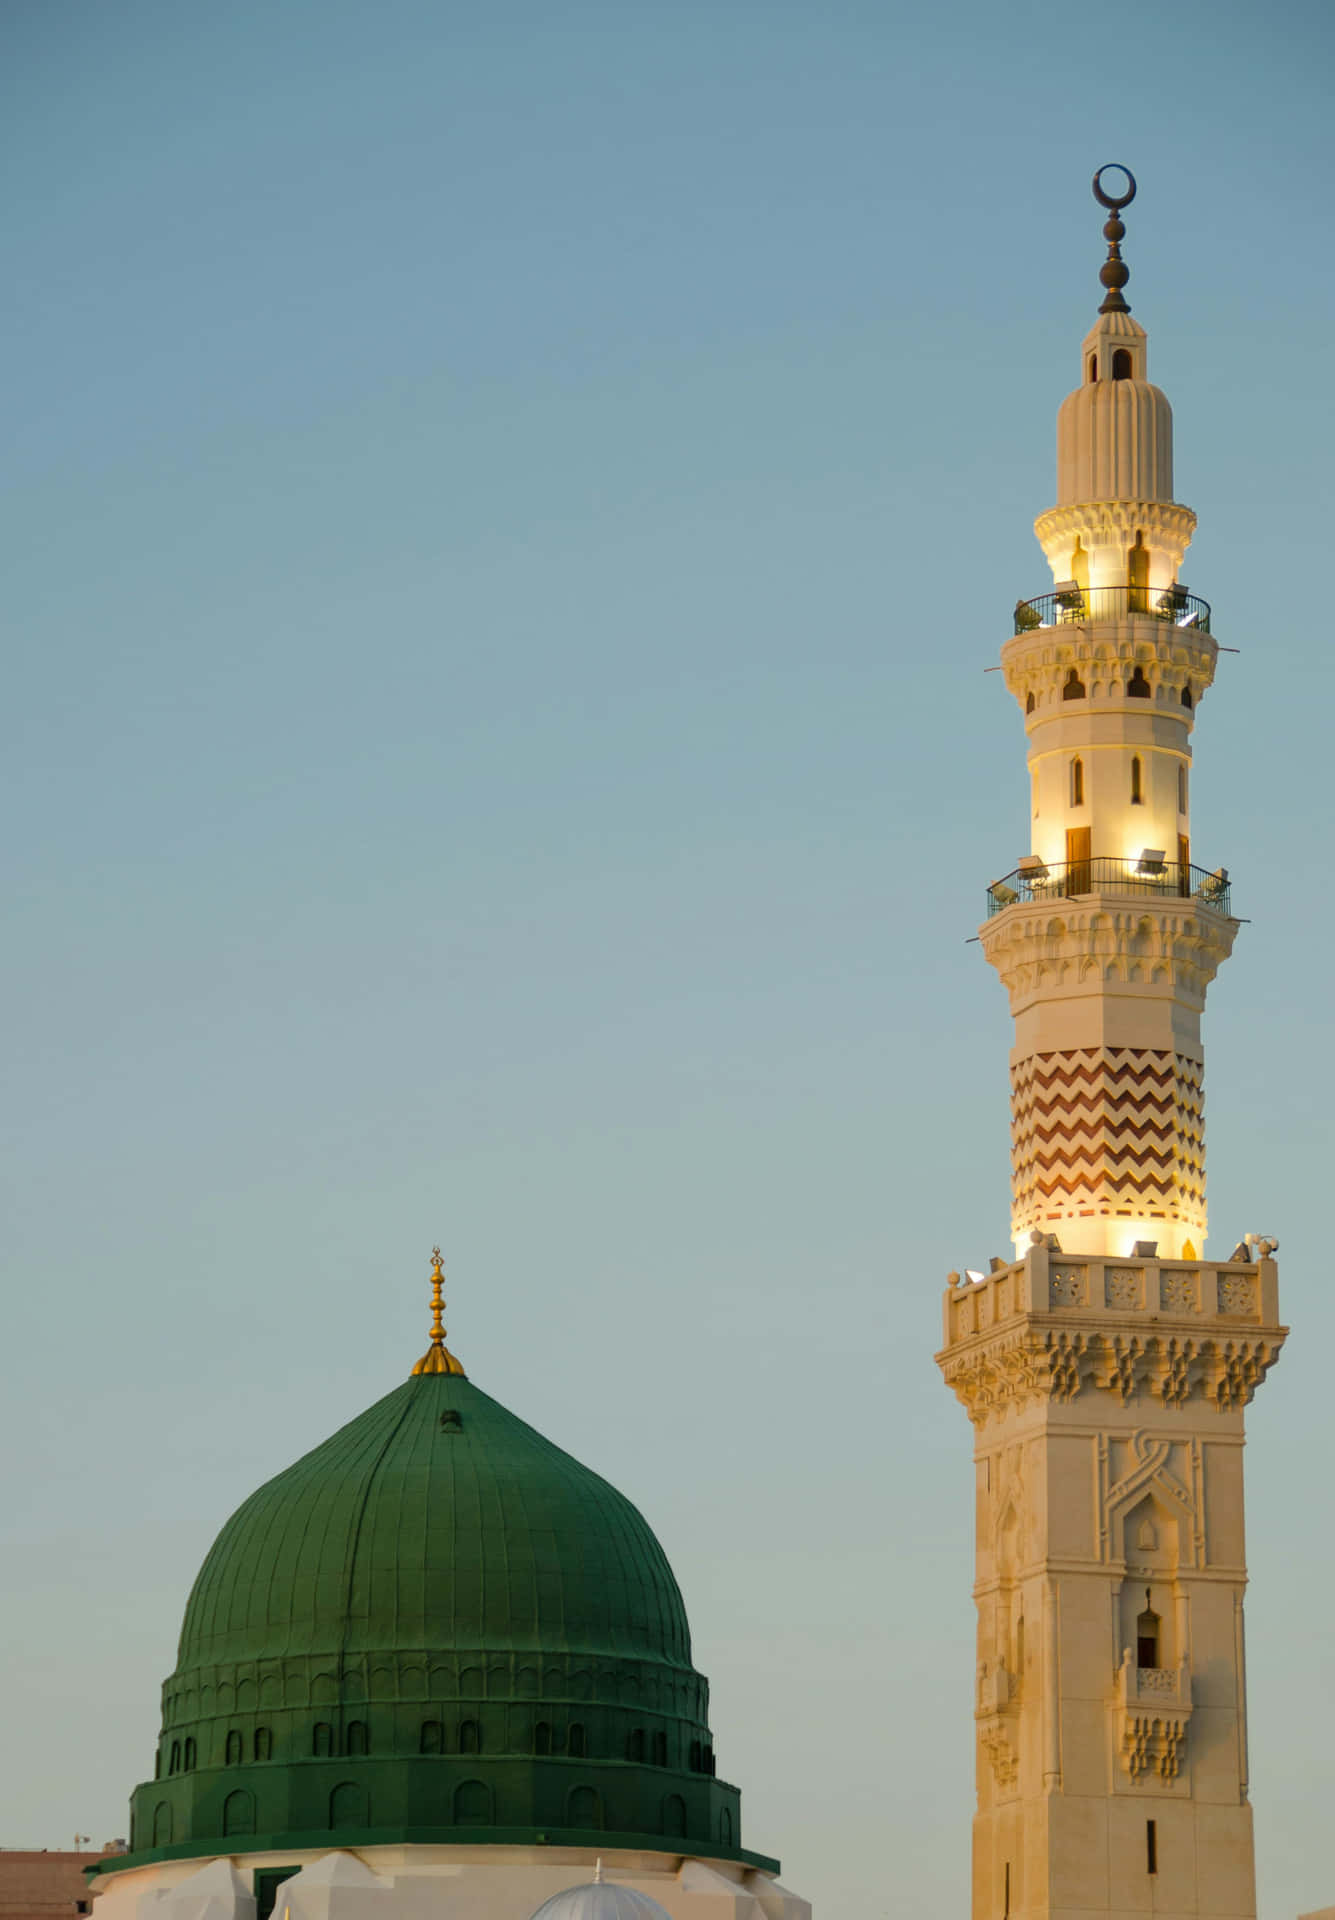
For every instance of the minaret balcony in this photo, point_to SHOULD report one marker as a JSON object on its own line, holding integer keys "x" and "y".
{"x": 1080, "y": 606}
{"x": 1037, "y": 882}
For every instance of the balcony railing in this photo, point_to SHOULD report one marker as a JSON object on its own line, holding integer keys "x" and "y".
{"x": 1141, "y": 880}
{"x": 1075, "y": 605}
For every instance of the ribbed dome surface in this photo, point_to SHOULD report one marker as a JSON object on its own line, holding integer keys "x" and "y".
{"x": 600, "y": 1900}
{"x": 435, "y": 1519}
{"x": 1114, "y": 442}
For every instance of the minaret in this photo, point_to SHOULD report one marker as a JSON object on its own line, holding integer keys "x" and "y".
{"x": 1107, "y": 1366}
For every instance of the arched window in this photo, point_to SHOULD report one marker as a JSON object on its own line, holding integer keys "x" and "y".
{"x": 725, "y": 1826}
{"x": 1093, "y": 371}
{"x": 660, "y": 1748}
{"x": 1019, "y": 1650}
{"x": 162, "y": 1824}
{"x": 1137, "y": 795}
{"x": 672, "y": 1817}
{"x": 322, "y": 1740}
{"x": 175, "y": 1766}
{"x": 232, "y": 1753}
{"x": 1080, "y": 566}
{"x": 1077, "y": 783}
{"x": 1138, "y": 575}
{"x": 1186, "y": 695}
{"x": 708, "y": 1758}
{"x": 239, "y": 1812}
{"x": 349, "y": 1805}
{"x": 575, "y": 1741}
{"x": 470, "y": 1737}
{"x": 263, "y": 1743}
{"x": 190, "y": 1755}
{"x": 1074, "y": 688}
{"x": 1138, "y": 687}
{"x": 157, "y": 1764}
{"x": 358, "y": 1741}
{"x": 1122, "y": 364}
{"x": 635, "y": 1744}
{"x": 472, "y": 1804}
{"x": 432, "y": 1739}
{"x": 1181, "y": 789}
{"x": 1147, "y": 1638}
{"x": 695, "y": 1761}
{"x": 584, "y": 1808}
{"x": 542, "y": 1737}
{"x": 1030, "y": 704}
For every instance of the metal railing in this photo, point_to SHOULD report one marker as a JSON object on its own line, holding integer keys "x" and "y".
{"x": 1157, "y": 880}
{"x": 1075, "y": 605}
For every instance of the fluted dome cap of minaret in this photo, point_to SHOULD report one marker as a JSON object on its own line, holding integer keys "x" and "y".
{"x": 436, "y": 1625}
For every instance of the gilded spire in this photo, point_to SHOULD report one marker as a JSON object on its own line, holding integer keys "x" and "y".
{"x": 1114, "y": 273}
{"x": 437, "y": 1358}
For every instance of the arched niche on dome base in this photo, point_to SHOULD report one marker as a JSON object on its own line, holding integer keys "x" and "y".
{"x": 473, "y": 1804}
{"x": 584, "y": 1809}
{"x": 349, "y": 1805}
{"x": 238, "y": 1812}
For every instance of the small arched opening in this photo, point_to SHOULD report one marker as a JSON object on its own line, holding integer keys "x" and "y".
{"x": 239, "y": 1812}
{"x": 358, "y": 1737}
{"x": 1074, "y": 688}
{"x": 322, "y": 1740}
{"x": 542, "y": 1737}
{"x": 432, "y": 1737}
{"x": 635, "y": 1745}
{"x": 1187, "y": 700}
{"x": 1181, "y": 789}
{"x": 1122, "y": 367}
{"x": 349, "y": 1805}
{"x": 575, "y": 1743}
{"x": 1030, "y": 704}
{"x": 672, "y": 1818}
{"x": 1092, "y": 369}
{"x": 472, "y": 1804}
{"x": 584, "y": 1808}
{"x": 470, "y": 1737}
{"x": 1149, "y": 1638}
{"x": 1137, "y": 790}
{"x": 1138, "y": 687}
{"x": 263, "y": 1743}
{"x": 1077, "y": 782}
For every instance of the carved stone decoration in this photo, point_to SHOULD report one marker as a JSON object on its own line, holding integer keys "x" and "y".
{"x": 1237, "y": 1293}
{"x": 1125, "y": 1287}
{"x": 1002, "y": 1755}
{"x": 1066, "y": 1286}
{"x": 1153, "y": 1742}
{"x": 1153, "y": 1713}
{"x": 1024, "y": 1361}
{"x": 1181, "y": 1293}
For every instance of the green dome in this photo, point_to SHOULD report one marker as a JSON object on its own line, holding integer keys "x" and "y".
{"x": 436, "y": 1626}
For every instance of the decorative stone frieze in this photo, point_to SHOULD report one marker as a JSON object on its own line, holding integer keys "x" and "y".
{"x": 1055, "y": 1329}
{"x": 1105, "y": 654}
{"x": 1162, "y": 946}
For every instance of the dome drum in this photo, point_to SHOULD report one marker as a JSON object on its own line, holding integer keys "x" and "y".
{"x": 440, "y": 1800}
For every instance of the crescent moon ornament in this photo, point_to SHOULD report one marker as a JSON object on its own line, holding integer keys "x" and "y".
{"x": 1115, "y": 202}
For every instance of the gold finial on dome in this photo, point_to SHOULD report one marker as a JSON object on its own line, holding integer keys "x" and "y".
{"x": 437, "y": 1358}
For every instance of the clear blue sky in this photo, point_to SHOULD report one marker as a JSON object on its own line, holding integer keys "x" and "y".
{"x": 507, "y": 509}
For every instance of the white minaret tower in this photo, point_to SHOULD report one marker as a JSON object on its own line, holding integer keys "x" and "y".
{"x": 1106, "y": 1368}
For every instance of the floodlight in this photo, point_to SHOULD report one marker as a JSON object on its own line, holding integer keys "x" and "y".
{"x": 1151, "y": 860}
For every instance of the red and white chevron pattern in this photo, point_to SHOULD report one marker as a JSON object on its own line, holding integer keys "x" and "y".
{"x": 1102, "y": 1131}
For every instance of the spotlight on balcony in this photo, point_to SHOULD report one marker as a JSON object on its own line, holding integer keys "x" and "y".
{"x": 1032, "y": 866}
{"x": 1240, "y": 1253}
{"x": 1145, "y": 1249}
{"x": 1068, "y": 596}
{"x": 1151, "y": 860}
{"x": 997, "y": 1265}
{"x": 972, "y": 1273}
{"x": 1003, "y": 895}
{"x": 1174, "y": 600}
